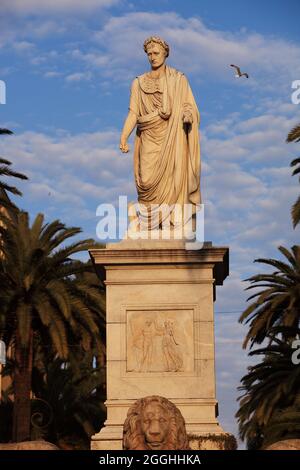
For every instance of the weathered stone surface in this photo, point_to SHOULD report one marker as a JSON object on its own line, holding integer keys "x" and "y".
{"x": 288, "y": 444}
{"x": 163, "y": 109}
{"x": 154, "y": 423}
{"x": 160, "y": 331}
{"x": 29, "y": 445}
{"x": 221, "y": 441}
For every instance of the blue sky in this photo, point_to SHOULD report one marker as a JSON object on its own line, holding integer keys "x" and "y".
{"x": 68, "y": 66}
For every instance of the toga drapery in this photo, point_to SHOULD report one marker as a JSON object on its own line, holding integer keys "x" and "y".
{"x": 166, "y": 152}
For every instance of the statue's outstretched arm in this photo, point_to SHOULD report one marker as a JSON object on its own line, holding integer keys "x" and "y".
{"x": 129, "y": 125}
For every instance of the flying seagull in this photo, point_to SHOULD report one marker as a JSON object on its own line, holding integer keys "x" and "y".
{"x": 238, "y": 71}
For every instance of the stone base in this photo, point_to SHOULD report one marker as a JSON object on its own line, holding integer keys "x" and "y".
{"x": 160, "y": 330}
{"x": 286, "y": 444}
{"x": 201, "y": 421}
{"x": 200, "y": 416}
{"x": 217, "y": 441}
{"x": 110, "y": 438}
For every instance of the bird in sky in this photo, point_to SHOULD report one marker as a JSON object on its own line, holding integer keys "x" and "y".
{"x": 238, "y": 71}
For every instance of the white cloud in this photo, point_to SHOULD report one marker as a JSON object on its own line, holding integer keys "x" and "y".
{"x": 78, "y": 77}
{"x": 231, "y": 366}
{"x": 269, "y": 61}
{"x": 248, "y": 192}
{"x": 4, "y": 71}
{"x": 115, "y": 50}
{"x": 16, "y": 30}
{"x": 52, "y": 74}
{"x": 79, "y": 171}
{"x": 42, "y": 28}
{"x": 23, "y": 46}
{"x": 38, "y": 7}
{"x": 247, "y": 199}
{"x": 247, "y": 208}
{"x": 246, "y": 182}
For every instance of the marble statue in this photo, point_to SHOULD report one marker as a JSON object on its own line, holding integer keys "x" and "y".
{"x": 166, "y": 151}
{"x": 154, "y": 423}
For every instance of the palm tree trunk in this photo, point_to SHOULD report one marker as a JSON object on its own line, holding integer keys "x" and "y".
{"x": 22, "y": 390}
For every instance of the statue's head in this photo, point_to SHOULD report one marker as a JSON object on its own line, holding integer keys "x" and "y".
{"x": 154, "y": 423}
{"x": 157, "y": 51}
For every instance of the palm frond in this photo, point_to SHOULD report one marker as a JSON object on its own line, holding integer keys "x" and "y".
{"x": 5, "y": 131}
{"x": 294, "y": 134}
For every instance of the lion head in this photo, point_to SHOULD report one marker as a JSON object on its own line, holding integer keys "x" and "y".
{"x": 154, "y": 423}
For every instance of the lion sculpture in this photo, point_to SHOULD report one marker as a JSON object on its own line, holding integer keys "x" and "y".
{"x": 154, "y": 423}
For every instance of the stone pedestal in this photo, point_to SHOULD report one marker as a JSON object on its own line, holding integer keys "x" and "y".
{"x": 160, "y": 330}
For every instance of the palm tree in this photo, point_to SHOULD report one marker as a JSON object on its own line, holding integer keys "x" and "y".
{"x": 46, "y": 293}
{"x": 278, "y": 303}
{"x": 67, "y": 404}
{"x": 5, "y": 170}
{"x": 270, "y": 405}
{"x": 284, "y": 424}
{"x": 5, "y": 131}
{"x": 296, "y": 206}
{"x": 70, "y": 398}
{"x": 294, "y": 136}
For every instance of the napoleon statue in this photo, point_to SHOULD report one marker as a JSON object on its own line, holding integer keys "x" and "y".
{"x": 166, "y": 151}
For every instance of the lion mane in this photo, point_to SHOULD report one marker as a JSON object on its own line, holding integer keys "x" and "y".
{"x": 133, "y": 437}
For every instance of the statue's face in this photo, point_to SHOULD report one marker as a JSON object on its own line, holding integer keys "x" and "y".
{"x": 156, "y": 55}
{"x": 155, "y": 423}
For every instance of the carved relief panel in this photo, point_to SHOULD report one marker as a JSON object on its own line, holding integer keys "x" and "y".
{"x": 160, "y": 341}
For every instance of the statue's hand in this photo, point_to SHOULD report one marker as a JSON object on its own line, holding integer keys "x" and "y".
{"x": 187, "y": 118}
{"x": 124, "y": 146}
{"x": 187, "y": 115}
